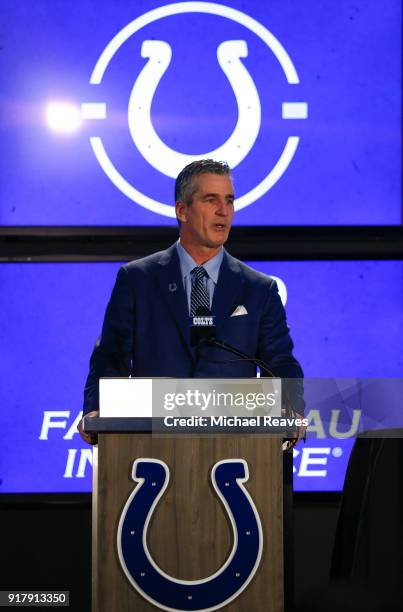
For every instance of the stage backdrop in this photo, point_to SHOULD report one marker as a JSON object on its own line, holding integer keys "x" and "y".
{"x": 303, "y": 99}
{"x": 346, "y": 320}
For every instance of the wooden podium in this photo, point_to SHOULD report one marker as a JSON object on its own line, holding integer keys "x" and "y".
{"x": 190, "y": 535}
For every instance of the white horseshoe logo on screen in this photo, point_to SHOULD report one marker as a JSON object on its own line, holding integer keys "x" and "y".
{"x": 157, "y": 153}
{"x": 234, "y": 150}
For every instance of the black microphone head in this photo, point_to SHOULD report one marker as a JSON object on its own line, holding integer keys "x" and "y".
{"x": 202, "y": 326}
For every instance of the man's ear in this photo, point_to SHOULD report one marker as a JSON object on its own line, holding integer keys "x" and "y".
{"x": 181, "y": 211}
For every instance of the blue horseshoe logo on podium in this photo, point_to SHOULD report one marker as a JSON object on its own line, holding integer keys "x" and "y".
{"x": 230, "y": 579}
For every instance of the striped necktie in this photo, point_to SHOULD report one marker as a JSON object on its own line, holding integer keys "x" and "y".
{"x": 199, "y": 295}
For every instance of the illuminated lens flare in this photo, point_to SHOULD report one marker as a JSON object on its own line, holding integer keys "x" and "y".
{"x": 63, "y": 117}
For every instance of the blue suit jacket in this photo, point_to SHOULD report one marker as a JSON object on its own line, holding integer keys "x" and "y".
{"x": 146, "y": 331}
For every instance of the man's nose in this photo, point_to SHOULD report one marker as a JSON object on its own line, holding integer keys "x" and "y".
{"x": 223, "y": 208}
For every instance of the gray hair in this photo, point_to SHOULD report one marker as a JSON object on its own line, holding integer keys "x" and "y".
{"x": 185, "y": 185}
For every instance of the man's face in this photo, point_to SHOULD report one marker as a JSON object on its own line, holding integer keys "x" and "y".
{"x": 206, "y": 222}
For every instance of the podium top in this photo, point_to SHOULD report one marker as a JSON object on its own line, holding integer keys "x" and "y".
{"x": 192, "y": 406}
{"x": 118, "y": 425}
{"x": 157, "y": 426}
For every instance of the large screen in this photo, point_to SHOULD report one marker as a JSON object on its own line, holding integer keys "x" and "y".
{"x": 104, "y": 103}
{"x": 346, "y": 319}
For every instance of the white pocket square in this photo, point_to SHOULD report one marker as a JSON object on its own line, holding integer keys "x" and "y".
{"x": 239, "y": 310}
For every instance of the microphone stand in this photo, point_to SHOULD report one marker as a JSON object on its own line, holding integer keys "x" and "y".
{"x": 227, "y": 347}
{"x": 288, "y": 443}
{"x": 259, "y": 362}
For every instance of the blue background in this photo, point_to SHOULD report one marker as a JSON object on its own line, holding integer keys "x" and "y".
{"x": 346, "y": 320}
{"x": 347, "y": 168}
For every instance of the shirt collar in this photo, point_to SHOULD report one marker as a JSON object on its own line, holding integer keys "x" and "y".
{"x": 187, "y": 263}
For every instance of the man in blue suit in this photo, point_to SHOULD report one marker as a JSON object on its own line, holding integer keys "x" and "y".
{"x": 146, "y": 331}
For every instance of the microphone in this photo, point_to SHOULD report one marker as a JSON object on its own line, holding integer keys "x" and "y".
{"x": 202, "y": 328}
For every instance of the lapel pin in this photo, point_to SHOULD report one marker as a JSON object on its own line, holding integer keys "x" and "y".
{"x": 172, "y": 287}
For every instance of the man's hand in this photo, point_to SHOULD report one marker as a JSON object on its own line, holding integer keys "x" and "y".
{"x": 301, "y": 431}
{"x": 90, "y": 438}
{"x": 298, "y": 435}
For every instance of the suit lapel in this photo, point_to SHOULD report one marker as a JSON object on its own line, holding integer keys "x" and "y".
{"x": 170, "y": 283}
{"x": 228, "y": 292}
